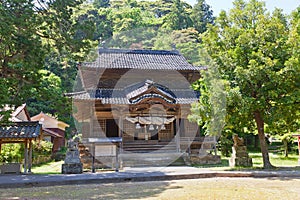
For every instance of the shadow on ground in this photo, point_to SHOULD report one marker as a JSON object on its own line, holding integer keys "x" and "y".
{"x": 127, "y": 190}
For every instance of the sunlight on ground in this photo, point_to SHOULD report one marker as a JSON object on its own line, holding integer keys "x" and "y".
{"x": 210, "y": 188}
{"x": 48, "y": 168}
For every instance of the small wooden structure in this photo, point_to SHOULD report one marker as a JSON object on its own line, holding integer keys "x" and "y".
{"x": 53, "y": 130}
{"x": 21, "y": 132}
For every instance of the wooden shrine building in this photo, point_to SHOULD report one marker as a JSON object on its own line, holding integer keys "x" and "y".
{"x": 138, "y": 99}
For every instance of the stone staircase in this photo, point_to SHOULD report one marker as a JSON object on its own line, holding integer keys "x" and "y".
{"x": 151, "y": 159}
{"x": 138, "y": 154}
{"x": 150, "y": 146}
{"x": 150, "y": 153}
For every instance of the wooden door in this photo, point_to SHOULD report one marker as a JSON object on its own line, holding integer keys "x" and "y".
{"x": 167, "y": 134}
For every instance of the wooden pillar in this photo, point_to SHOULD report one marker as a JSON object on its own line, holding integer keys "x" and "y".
{"x": 30, "y": 156}
{"x": 121, "y": 130}
{"x": 117, "y": 157}
{"x": 91, "y": 133}
{"x": 93, "y": 158}
{"x": 25, "y": 156}
{"x": 177, "y": 134}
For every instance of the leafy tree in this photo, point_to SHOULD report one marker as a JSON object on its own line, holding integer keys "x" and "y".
{"x": 187, "y": 41}
{"x": 249, "y": 46}
{"x": 126, "y": 19}
{"x": 179, "y": 16}
{"x": 202, "y": 15}
{"x": 101, "y": 3}
{"x": 28, "y": 31}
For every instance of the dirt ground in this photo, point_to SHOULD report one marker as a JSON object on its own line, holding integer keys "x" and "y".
{"x": 210, "y": 188}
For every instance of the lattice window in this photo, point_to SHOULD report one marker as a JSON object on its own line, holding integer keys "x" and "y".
{"x": 128, "y": 130}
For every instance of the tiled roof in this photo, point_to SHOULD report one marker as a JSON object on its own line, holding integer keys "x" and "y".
{"x": 20, "y": 130}
{"x": 123, "y": 96}
{"x": 141, "y": 59}
{"x": 51, "y": 133}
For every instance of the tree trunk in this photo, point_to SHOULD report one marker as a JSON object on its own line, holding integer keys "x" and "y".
{"x": 261, "y": 135}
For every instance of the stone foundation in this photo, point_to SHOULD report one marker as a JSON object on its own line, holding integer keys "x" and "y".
{"x": 73, "y": 168}
{"x": 10, "y": 168}
{"x": 206, "y": 159}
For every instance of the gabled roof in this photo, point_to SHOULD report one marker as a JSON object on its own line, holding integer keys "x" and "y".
{"x": 51, "y": 133}
{"x": 140, "y": 59}
{"x": 49, "y": 122}
{"x": 20, "y": 130}
{"x": 135, "y": 93}
{"x": 20, "y": 114}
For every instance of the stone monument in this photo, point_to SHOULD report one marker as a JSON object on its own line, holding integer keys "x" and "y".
{"x": 239, "y": 157}
{"x": 72, "y": 163}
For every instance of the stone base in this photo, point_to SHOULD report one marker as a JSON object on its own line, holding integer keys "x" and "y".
{"x": 74, "y": 168}
{"x": 10, "y": 168}
{"x": 240, "y": 162}
{"x": 207, "y": 159}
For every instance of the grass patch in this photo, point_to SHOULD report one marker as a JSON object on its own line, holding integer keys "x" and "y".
{"x": 48, "y": 168}
{"x": 276, "y": 159}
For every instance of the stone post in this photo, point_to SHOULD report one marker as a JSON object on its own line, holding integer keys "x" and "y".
{"x": 72, "y": 163}
{"x": 239, "y": 157}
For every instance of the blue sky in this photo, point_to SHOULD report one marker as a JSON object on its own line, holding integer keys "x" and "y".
{"x": 218, "y": 5}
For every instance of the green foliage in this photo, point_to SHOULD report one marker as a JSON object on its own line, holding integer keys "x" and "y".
{"x": 225, "y": 144}
{"x": 202, "y": 15}
{"x": 179, "y": 16}
{"x": 15, "y": 152}
{"x": 11, "y": 153}
{"x": 42, "y": 148}
{"x": 251, "y": 49}
{"x": 186, "y": 41}
{"x": 29, "y": 30}
{"x": 210, "y": 111}
{"x": 101, "y": 3}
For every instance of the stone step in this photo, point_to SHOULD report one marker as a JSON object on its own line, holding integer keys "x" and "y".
{"x": 151, "y": 159}
{"x": 149, "y": 146}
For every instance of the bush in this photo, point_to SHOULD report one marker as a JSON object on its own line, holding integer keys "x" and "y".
{"x": 15, "y": 152}
{"x": 11, "y": 153}
{"x": 42, "y": 148}
{"x": 225, "y": 145}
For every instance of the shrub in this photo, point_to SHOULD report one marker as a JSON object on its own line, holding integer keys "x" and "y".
{"x": 11, "y": 153}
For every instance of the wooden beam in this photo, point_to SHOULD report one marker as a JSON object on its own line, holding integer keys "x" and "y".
{"x": 104, "y": 114}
